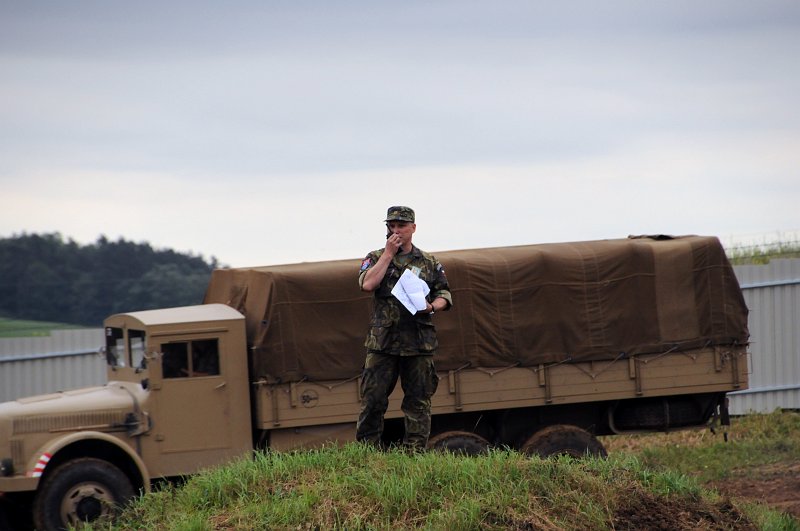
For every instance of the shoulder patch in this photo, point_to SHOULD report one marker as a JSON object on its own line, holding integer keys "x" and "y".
{"x": 366, "y": 264}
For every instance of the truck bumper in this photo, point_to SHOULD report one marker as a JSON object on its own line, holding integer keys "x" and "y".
{"x": 18, "y": 484}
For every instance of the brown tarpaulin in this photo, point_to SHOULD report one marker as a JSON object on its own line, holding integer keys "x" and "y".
{"x": 523, "y": 305}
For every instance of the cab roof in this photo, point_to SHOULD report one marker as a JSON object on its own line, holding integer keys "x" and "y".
{"x": 181, "y": 315}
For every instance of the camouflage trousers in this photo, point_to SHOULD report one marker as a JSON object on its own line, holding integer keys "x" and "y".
{"x": 417, "y": 379}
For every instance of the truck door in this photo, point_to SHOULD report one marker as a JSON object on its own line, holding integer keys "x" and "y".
{"x": 194, "y": 399}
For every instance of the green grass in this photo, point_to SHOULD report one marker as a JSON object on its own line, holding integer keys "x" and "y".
{"x": 644, "y": 483}
{"x": 357, "y": 487}
{"x": 754, "y": 441}
{"x": 19, "y": 328}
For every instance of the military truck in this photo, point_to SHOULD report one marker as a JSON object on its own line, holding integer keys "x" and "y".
{"x": 546, "y": 347}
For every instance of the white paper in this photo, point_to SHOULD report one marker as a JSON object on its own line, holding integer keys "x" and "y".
{"x": 411, "y": 290}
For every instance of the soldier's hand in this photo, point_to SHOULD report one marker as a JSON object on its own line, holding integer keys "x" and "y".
{"x": 428, "y": 309}
{"x": 393, "y": 243}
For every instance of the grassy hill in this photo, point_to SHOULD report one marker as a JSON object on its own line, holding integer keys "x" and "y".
{"x": 648, "y": 482}
{"x": 20, "y": 328}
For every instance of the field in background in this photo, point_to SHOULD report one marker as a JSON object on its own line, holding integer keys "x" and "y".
{"x": 18, "y": 328}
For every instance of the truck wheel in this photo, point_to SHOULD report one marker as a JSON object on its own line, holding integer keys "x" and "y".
{"x": 459, "y": 442}
{"x": 80, "y": 491}
{"x": 563, "y": 439}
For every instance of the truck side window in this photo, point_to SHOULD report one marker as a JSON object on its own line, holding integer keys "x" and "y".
{"x": 205, "y": 357}
{"x": 175, "y": 360}
{"x": 204, "y": 361}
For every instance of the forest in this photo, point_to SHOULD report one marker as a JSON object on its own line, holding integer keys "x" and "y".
{"x": 44, "y": 277}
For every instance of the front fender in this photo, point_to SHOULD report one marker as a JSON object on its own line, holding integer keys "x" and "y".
{"x": 49, "y": 452}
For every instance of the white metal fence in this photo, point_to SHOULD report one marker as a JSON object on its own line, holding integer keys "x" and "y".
{"x": 772, "y": 293}
{"x": 66, "y": 359}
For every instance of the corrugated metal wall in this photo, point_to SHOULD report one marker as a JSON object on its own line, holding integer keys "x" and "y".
{"x": 67, "y": 359}
{"x": 772, "y": 293}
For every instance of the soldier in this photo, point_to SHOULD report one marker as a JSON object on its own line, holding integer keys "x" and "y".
{"x": 400, "y": 343}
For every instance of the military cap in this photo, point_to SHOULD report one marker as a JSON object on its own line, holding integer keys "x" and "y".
{"x": 400, "y": 213}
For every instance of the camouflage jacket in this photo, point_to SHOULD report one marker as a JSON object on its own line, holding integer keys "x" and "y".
{"x": 392, "y": 328}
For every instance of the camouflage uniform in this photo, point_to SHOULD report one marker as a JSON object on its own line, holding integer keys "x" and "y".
{"x": 402, "y": 344}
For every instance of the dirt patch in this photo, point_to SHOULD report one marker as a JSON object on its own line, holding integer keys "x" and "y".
{"x": 644, "y": 511}
{"x": 775, "y": 485}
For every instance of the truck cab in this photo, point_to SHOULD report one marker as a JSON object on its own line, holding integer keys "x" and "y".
{"x": 177, "y": 400}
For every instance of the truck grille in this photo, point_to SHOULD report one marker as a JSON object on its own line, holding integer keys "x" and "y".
{"x": 18, "y": 454}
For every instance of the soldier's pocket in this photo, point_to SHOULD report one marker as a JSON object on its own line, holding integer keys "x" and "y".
{"x": 378, "y": 336}
{"x": 427, "y": 336}
{"x": 428, "y": 378}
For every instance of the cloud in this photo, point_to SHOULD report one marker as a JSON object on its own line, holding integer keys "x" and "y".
{"x": 274, "y": 132}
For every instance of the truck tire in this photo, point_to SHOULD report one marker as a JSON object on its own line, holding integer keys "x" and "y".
{"x": 80, "y": 491}
{"x": 563, "y": 439}
{"x": 459, "y": 442}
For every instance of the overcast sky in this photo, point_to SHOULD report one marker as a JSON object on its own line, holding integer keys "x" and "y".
{"x": 272, "y": 132}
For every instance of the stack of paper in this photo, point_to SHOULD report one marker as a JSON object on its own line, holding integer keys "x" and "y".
{"x": 411, "y": 290}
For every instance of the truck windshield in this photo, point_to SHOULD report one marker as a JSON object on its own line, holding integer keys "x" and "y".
{"x": 115, "y": 347}
{"x": 116, "y": 354}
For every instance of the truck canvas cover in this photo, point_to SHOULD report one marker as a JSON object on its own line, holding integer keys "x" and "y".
{"x": 524, "y": 306}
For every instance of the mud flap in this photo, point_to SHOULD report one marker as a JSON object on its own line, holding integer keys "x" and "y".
{"x": 722, "y": 416}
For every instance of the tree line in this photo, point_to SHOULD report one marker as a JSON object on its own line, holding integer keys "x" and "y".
{"x": 44, "y": 277}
